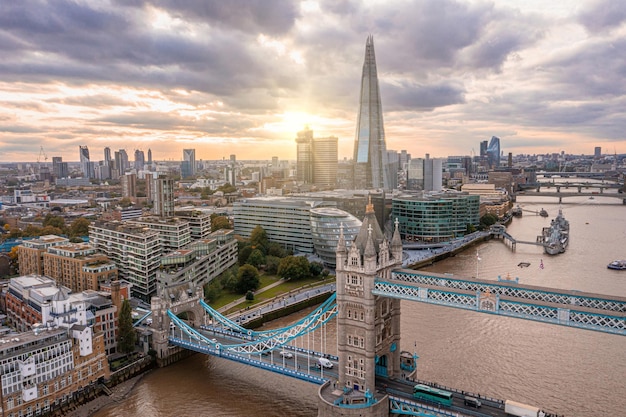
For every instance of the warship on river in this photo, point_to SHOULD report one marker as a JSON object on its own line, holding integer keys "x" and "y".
{"x": 556, "y": 237}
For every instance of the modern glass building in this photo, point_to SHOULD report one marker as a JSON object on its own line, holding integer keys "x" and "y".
{"x": 371, "y": 168}
{"x": 325, "y": 227}
{"x": 286, "y": 221}
{"x": 435, "y": 217}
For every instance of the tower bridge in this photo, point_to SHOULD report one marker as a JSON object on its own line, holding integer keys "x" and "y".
{"x": 370, "y": 375}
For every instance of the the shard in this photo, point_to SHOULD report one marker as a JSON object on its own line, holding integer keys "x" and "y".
{"x": 370, "y": 152}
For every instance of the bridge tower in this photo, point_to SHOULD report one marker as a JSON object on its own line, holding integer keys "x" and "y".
{"x": 368, "y": 326}
{"x": 179, "y": 298}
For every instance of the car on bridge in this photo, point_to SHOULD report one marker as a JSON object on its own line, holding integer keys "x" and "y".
{"x": 286, "y": 354}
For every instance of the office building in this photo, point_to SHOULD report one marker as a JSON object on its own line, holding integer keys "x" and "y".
{"x": 134, "y": 248}
{"x": 121, "y": 162}
{"x": 140, "y": 160}
{"x": 371, "y": 168}
{"x": 316, "y": 159}
{"x": 435, "y": 217}
{"x": 326, "y": 225}
{"x": 85, "y": 162}
{"x": 597, "y": 153}
{"x": 59, "y": 168}
{"x": 424, "y": 174}
{"x": 287, "y": 221}
{"x": 149, "y": 156}
{"x": 107, "y": 156}
{"x": 493, "y": 152}
{"x": 188, "y": 166}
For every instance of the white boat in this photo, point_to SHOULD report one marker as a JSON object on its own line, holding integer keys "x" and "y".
{"x": 619, "y": 265}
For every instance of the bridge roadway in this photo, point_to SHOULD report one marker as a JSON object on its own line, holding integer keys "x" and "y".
{"x": 402, "y": 390}
{"x": 551, "y": 305}
{"x": 302, "y": 364}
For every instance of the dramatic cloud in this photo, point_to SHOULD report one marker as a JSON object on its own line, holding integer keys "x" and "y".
{"x": 244, "y": 76}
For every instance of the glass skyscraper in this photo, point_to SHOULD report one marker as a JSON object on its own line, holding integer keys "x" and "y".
{"x": 370, "y": 152}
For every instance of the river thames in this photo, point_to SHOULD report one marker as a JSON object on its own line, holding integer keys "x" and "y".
{"x": 572, "y": 372}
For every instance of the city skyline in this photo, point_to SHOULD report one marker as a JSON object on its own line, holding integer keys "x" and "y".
{"x": 544, "y": 79}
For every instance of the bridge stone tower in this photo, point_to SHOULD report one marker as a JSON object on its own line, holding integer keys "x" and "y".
{"x": 368, "y": 326}
{"x": 180, "y": 298}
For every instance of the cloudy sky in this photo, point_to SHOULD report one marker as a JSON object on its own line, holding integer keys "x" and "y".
{"x": 244, "y": 76}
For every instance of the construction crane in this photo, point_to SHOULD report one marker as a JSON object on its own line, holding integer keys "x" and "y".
{"x": 45, "y": 158}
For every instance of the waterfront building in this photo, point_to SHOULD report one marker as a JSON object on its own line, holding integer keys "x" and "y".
{"x": 286, "y": 221}
{"x": 435, "y": 217}
{"x": 135, "y": 249}
{"x": 43, "y": 369}
{"x": 371, "y": 168}
{"x": 326, "y": 223}
{"x": 30, "y": 253}
{"x": 200, "y": 261}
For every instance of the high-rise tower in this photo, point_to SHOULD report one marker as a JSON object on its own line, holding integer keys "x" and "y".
{"x": 370, "y": 151}
{"x": 85, "y": 162}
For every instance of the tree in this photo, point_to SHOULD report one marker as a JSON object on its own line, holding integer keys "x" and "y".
{"x": 127, "y": 335}
{"x": 274, "y": 249}
{"x": 488, "y": 220}
{"x": 54, "y": 221}
{"x": 316, "y": 268}
{"x": 258, "y": 239}
{"x": 244, "y": 254}
{"x": 51, "y": 230}
{"x": 125, "y": 202}
{"x": 247, "y": 279}
{"x": 219, "y": 222}
{"x": 79, "y": 227}
{"x": 271, "y": 264}
{"x": 250, "y": 296}
{"x": 256, "y": 258}
{"x": 294, "y": 267}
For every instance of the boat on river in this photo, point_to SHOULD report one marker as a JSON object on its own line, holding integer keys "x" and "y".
{"x": 556, "y": 237}
{"x": 543, "y": 213}
{"x": 619, "y": 265}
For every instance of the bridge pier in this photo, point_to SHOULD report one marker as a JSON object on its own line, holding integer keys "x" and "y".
{"x": 334, "y": 402}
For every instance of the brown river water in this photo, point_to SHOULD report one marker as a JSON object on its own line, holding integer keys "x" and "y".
{"x": 572, "y": 372}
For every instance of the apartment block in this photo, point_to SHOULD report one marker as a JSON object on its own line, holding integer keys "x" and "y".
{"x": 30, "y": 253}
{"x": 42, "y": 369}
{"x": 78, "y": 266}
{"x": 135, "y": 249}
{"x": 200, "y": 261}
{"x": 173, "y": 231}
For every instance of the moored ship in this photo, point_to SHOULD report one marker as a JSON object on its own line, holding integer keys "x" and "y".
{"x": 556, "y": 237}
